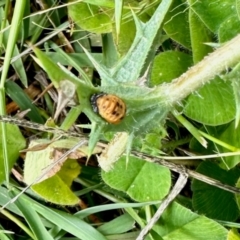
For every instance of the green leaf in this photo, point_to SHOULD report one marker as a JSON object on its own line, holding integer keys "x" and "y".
{"x": 237, "y": 196}
{"x": 118, "y": 225}
{"x": 211, "y": 146}
{"x": 169, "y": 65}
{"x": 65, "y": 221}
{"x": 118, "y": 15}
{"x": 213, "y": 104}
{"x": 214, "y": 13}
{"x": 4, "y": 236}
{"x": 199, "y": 36}
{"x": 142, "y": 181}
{"x": 92, "y": 18}
{"x": 58, "y": 75}
{"x": 229, "y": 29}
{"x": 212, "y": 201}
{"x": 55, "y": 190}
{"x": 5, "y": 197}
{"x": 96, "y": 132}
{"x": 69, "y": 223}
{"x": 176, "y": 24}
{"x": 69, "y": 61}
{"x": 23, "y": 101}
{"x": 221, "y": 139}
{"x": 53, "y": 70}
{"x": 96, "y": 209}
{"x": 231, "y": 136}
{"x": 233, "y": 235}
{"x": 17, "y": 64}
{"x": 191, "y": 128}
{"x": 79, "y": 59}
{"x": 59, "y": 178}
{"x": 128, "y": 31}
{"x": 234, "y": 77}
{"x": 109, "y": 50}
{"x": 33, "y": 219}
{"x": 179, "y": 223}
{"x": 126, "y": 36}
{"x": 15, "y": 143}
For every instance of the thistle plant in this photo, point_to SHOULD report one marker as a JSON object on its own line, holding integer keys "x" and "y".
{"x": 147, "y": 107}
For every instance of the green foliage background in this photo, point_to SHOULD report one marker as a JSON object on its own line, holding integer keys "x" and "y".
{"x": 144, "y": 47}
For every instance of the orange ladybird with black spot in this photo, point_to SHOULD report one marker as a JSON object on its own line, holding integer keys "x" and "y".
{"x": 109, "y": 107}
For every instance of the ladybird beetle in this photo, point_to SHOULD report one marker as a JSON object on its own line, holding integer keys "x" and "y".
{"x": 109, "y": 107}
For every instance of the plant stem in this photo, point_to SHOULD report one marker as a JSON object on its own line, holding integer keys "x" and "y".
{"x": 204, "y": 71}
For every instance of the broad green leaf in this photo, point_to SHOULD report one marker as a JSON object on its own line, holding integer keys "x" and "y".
{"x": 176, "y": 24}
{"x": 55, "y": 190}
{"x": 55, "y": 185}
{"x": 142, "y": 181}
{"x": 238, "y": 8}
{"x": 237, "y": 195}
{"x": 214, "y": 13}
{"x": 234, "y": 77}
{"x": 213, "y": 104}
{"x": 15, "y": 143}
{"x": 212, "y": 201}
{"x": 4, "y": 236}
{"x": 98, "y": 16}
{"x": 199, "y": 36}
{"x": 92, "y": 18}
{"x": 179, "y": 223}
{"x": 229, "y": 29}
{"x": 126, "y": 36}
{"x": 169, "y": 65}
{"x": 152, "y": 142}
{"x": 233, "y": 235}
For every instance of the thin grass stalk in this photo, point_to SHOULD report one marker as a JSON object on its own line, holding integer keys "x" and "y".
{"x": 17, "y": 19}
